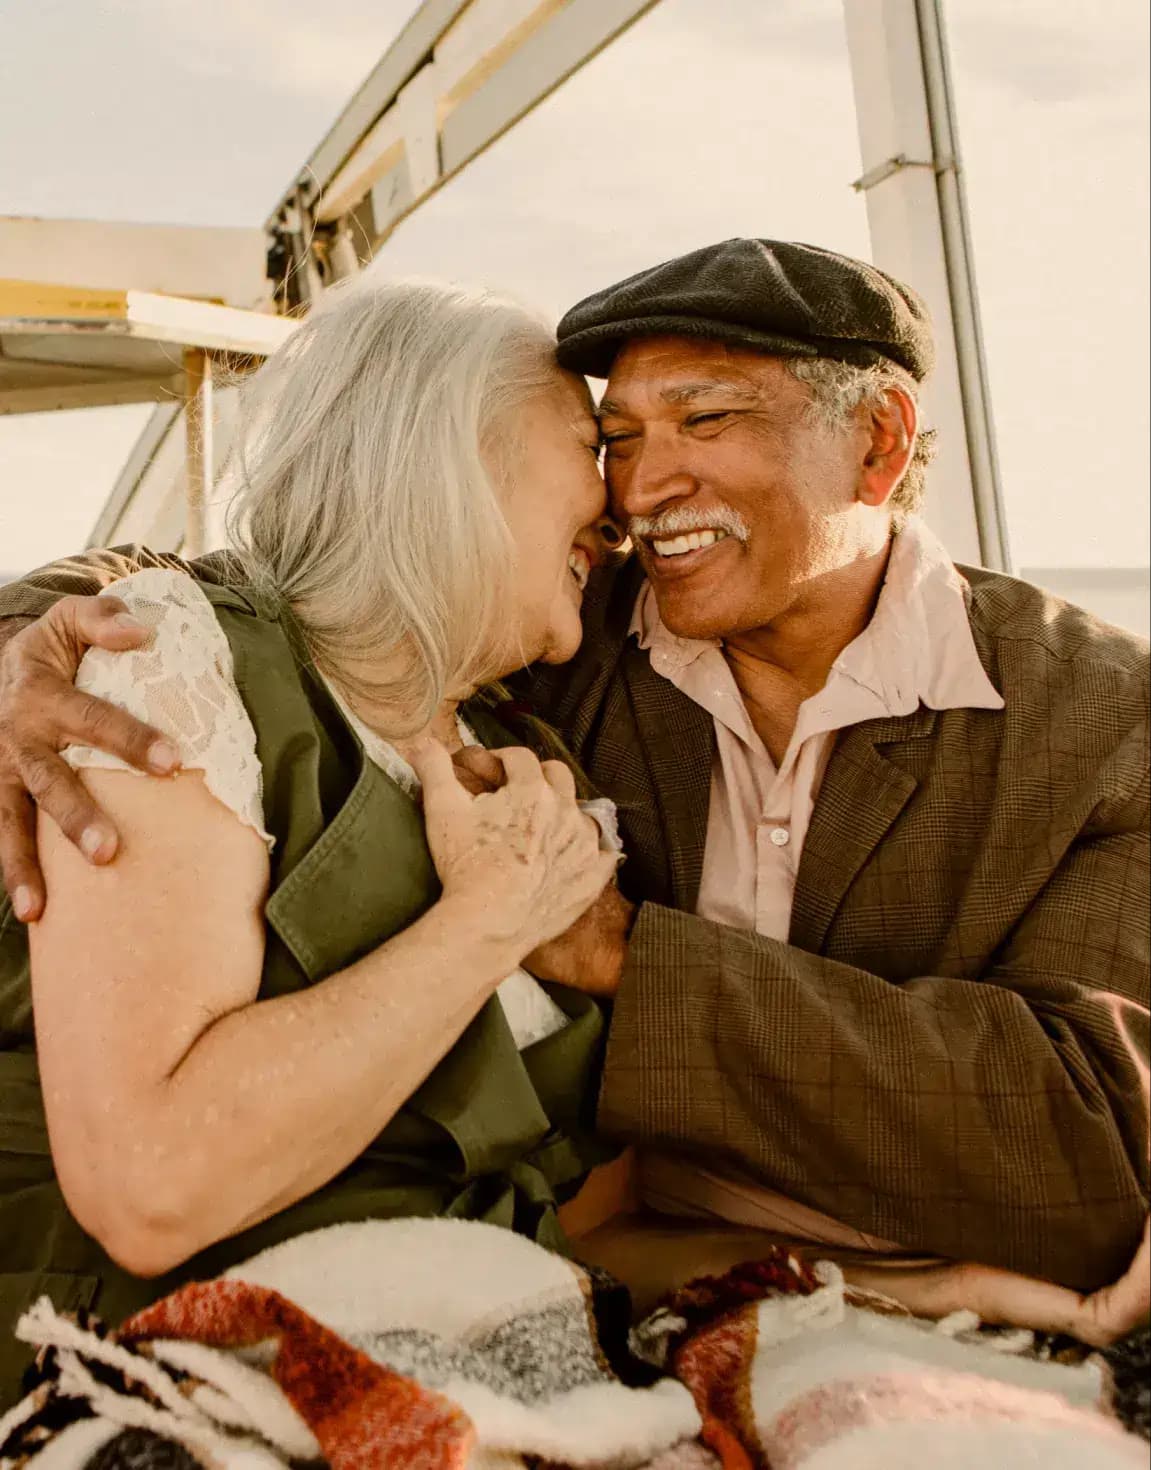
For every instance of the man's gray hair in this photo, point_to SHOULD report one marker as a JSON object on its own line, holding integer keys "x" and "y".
{"x": 838, "y": 389}
{"x": 370, "y": 454}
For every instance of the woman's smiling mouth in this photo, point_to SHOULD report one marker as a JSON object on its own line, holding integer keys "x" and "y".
{"x": 579, "y": 565}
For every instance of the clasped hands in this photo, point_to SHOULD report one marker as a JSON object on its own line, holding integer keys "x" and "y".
{"x": 590, "y": 955}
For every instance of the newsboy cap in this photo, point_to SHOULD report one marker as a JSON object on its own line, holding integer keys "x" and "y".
{"x": 775, "y": 296}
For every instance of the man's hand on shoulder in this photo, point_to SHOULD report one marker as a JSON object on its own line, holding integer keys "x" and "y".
{"x": 42, "y": 712}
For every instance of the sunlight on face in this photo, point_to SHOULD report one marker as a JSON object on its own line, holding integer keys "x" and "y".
{"x": 736, "y": 499}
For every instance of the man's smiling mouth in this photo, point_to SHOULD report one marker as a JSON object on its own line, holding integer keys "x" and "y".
{"x": 689, "y": 541}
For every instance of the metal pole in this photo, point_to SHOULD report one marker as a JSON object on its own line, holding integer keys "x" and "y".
{"x": 342, "y": 258}
{"x": 198, "y": 448}
{"x": 953, "y": 216}
{"x": 916, "y": 215}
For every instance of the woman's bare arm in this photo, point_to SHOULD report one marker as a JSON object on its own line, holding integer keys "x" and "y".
{"x": 180, "y": 1108}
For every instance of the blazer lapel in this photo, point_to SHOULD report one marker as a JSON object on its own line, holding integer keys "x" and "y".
{"x": 678, "y": 741}
{"x": 863, "y": 792}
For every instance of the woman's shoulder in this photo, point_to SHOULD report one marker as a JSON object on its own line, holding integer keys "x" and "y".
{"x": 166, "y": 601}
{"x": 177, "y": 587}
{"x": 245, "y": 630}
{"x": 181, "y": 681}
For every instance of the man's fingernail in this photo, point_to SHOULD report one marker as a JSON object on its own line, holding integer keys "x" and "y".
{"x": 163, "y": 758}
{"x": 23, "y": 903}
{"x": 126, "y": 623}
{"x": 93, "y": 841}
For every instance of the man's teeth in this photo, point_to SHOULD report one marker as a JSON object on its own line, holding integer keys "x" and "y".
{"x": 693, "y": 541}
{"x": 579, "y": 567}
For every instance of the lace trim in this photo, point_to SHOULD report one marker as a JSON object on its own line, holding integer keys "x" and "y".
{"x": 183, "y": 683}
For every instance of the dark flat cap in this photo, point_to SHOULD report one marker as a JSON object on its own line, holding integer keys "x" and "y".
{"x": 772, "y": 295}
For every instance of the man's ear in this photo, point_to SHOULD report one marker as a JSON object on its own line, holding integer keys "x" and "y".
{"x": 892, "y": 424}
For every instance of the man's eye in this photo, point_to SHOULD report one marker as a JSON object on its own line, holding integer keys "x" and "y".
{"x": 614, "y": 441}
{"x": 698, "y": 419}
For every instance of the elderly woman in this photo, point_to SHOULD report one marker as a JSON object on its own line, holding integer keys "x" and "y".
{"x": 283, "y": 1006}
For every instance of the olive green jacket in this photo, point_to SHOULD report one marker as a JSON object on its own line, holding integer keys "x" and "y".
{"x": 493, "y": 1133}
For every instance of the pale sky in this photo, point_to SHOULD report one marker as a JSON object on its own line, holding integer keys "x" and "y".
{"x": 709, "y": 118}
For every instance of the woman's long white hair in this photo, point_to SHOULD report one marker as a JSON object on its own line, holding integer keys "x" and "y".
{"x": 369, "y": 457}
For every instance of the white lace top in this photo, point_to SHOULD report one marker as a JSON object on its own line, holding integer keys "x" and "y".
{"x": 184, "y": 685}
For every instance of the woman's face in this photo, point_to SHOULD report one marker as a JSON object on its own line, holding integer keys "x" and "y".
{"x": 553, "y": 509}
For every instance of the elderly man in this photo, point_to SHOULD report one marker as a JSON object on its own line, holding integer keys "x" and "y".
{"x": 882, "y": 979}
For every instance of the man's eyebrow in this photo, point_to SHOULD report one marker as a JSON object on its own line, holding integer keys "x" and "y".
{"x": 687, "y": 393}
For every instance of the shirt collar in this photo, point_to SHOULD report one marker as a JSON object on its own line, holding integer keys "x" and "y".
{"x": 917, "y": 648}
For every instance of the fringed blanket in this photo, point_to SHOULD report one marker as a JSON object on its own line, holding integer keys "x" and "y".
{"x": 435, "y": 1344}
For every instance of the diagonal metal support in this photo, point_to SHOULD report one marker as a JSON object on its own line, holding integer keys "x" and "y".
{"x": 460, "y": 74}
{"x": 892, "y": 166}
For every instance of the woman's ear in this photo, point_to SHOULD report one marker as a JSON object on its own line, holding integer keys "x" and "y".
{"x": 893, "y": 426}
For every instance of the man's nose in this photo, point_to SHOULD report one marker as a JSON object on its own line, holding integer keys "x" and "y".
{"x": 652, "y": 475}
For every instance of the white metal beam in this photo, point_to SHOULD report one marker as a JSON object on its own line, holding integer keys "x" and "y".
{"x": 460, "y": 74}
{"x": 913, "y": 183}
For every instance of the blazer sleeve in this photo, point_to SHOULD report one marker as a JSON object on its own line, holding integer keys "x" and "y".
{"x": 1002, "y": 1119}
{"x": 91, "y": 571}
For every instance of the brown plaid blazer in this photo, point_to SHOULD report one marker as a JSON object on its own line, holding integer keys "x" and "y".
{"x": 952, "y": 1050}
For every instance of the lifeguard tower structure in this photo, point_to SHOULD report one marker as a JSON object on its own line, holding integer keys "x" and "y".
{"x": 97, "y": 314}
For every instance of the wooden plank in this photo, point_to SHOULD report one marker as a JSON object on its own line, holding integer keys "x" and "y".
{"x": 212, "y": 264}
{"x": 101, "y": 394}
{"x": 201, "y": 324}
{"x": 198, "y": 457}
{"x": 48, "y": 301}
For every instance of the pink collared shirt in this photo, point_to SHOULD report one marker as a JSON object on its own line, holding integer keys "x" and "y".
{"x": 917, "y": 649}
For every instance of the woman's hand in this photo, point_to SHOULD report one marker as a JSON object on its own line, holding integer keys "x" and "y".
{"x": 524, "y": 861}
{"x": 588, "y": 956}
{"x": 41, "y": 712}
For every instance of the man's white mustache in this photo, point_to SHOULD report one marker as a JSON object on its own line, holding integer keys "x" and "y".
{"x": 682, "y": 520}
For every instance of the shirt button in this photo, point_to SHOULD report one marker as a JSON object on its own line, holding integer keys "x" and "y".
{"x": 780, "y": 836}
